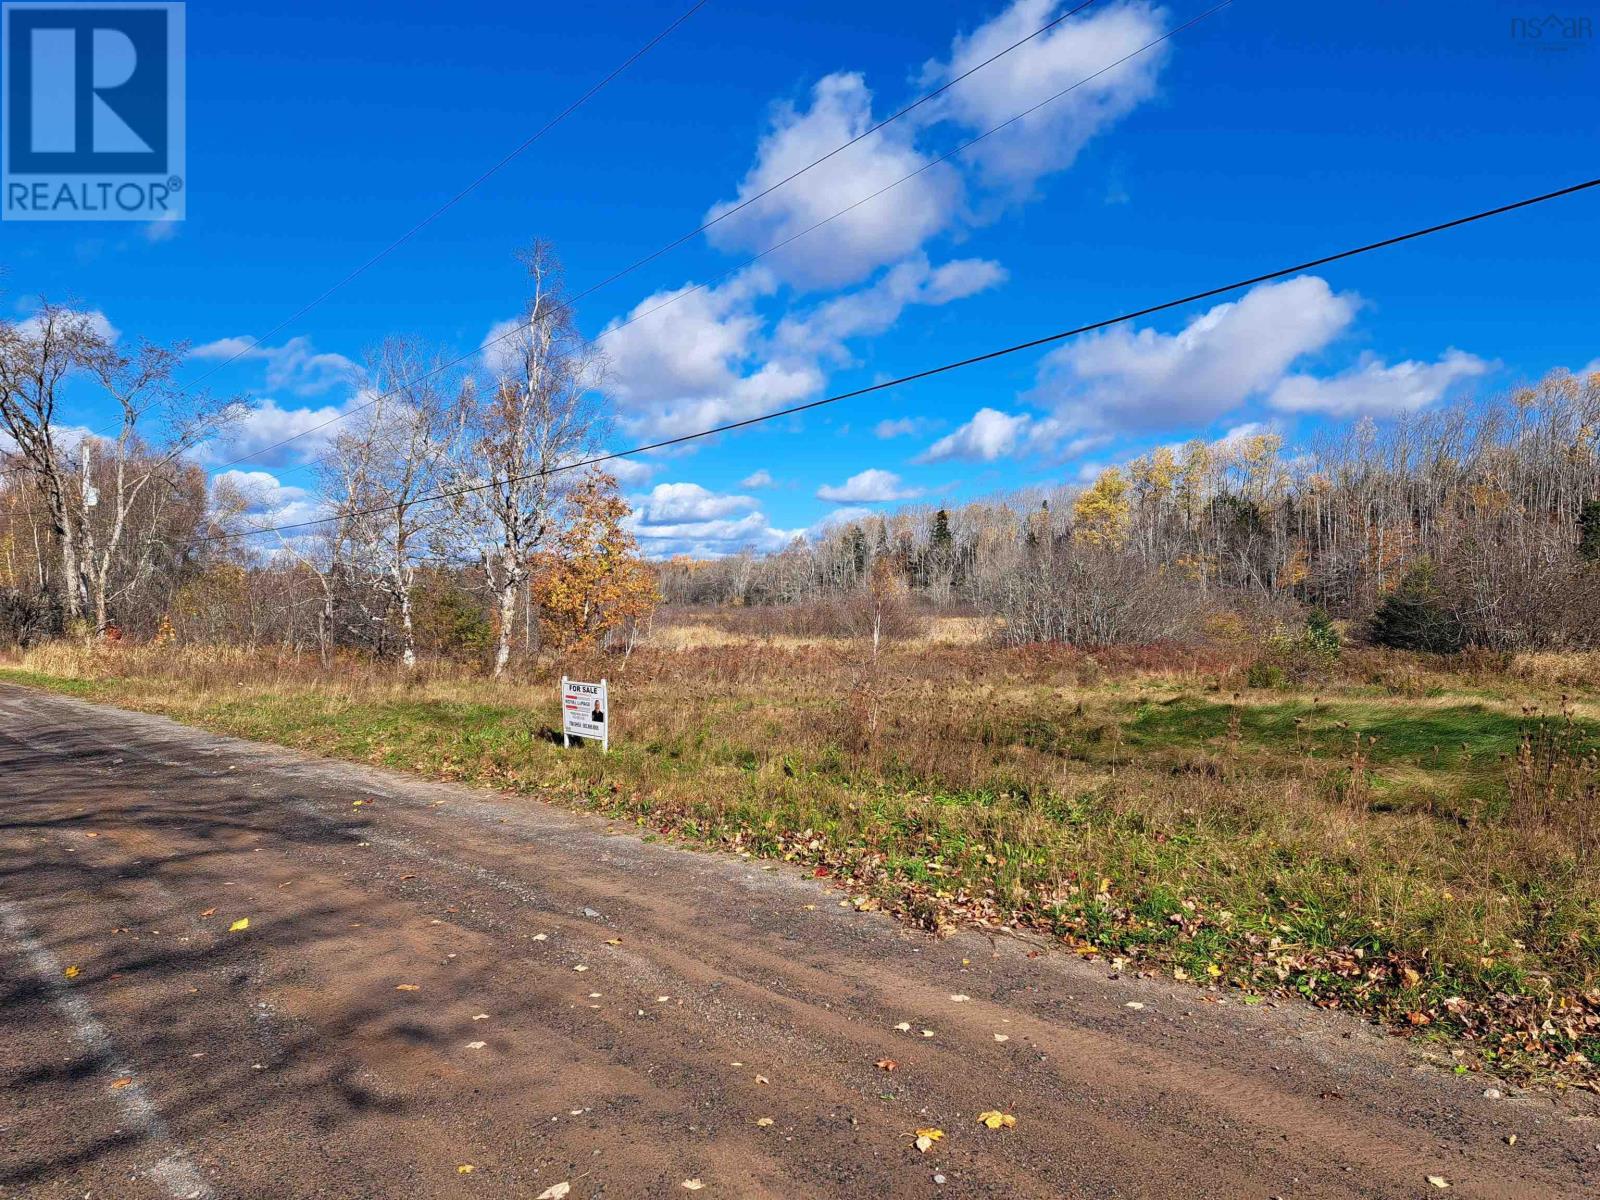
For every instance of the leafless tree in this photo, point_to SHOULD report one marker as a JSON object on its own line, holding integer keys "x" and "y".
{"x": 36, "y": 357}
{"x": 537, "y": 413}
{"x": 378, "y": 473}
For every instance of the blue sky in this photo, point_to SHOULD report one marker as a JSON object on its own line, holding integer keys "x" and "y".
{"x": 1270, "y": 132}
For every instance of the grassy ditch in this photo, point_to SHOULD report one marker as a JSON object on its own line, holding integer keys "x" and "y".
{"x": 1415, "y": 841}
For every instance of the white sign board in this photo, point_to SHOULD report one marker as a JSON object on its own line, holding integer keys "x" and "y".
{"x": 585, "y": 712}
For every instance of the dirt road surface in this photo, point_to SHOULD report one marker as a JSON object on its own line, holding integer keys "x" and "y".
{"x": 440, "y": 978}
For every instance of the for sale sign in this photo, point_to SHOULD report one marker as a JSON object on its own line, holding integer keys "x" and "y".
{"x": 585, "y": 712}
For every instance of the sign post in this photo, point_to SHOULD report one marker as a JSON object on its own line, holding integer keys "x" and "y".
{"x": 585, "y": 712}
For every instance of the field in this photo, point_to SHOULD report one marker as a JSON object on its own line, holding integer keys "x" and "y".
{"x": 1416, "y": 839}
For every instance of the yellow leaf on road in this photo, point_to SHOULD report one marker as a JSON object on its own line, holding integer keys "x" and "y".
{"x": 555, "y": 1191}
{"x": 692, "y": 1185}
{"x": 241, "y": 924}
{"x": 927, "y": 1137}
{"x": 71, "y": 972}
{"x": 1439, "y": 1181}
{"x": 465, "y": 1169}
{"x": 121, "y": 1083}
{"x": 995, "y": 1119}
{"x": 763, "y": 1122}
{"x": 407, "y": 987}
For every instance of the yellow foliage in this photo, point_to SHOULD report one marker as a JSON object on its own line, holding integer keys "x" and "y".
{"x": 1101, "y": 514}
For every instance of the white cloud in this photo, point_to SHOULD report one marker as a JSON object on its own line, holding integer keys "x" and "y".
{"x": 1141, "y": 379}
{"x": 859, "y": 242}
{"x": 700, "y": 361}
{"x": 670, "y": 503}
{"x": 294, "y": 366}
{"x": 700, "y": 523}
{"x": 629, "y": 471}
{"x": 99, "y": 323}
{"x": 866, "y": 487}
{"x": 1372, "y": 388}
{"x": 1051, "y": 138}
{"x": 268, "y": 424}
{"x": 847, "y": 515}
{"x": 901, "y": 427}
{"x": 874, "y": 309}
{"x": 990, "y": 434}
{"x": 759, "y": 479}
{"x": 268, "y": 500}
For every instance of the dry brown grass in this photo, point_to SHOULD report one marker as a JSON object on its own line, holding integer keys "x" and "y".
{"x": 1139, "y": 800}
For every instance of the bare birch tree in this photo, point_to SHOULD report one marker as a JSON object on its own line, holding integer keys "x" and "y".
{"x": 538, "y": 412}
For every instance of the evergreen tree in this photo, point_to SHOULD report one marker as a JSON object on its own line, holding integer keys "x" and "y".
{"x": 1411, "y": 617}
{"x": 1589, "y": 531}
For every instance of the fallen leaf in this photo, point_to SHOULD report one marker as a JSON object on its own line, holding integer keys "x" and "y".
{"x": 763, "y": 1122}
{"x": 580, "y": 967}
{"x": 476, "y": 1045}
{"x": 692, "y": 1185}
{"x": 761, "y": 1079}
{"x": 71, "y": 972}
{"x": 1002, "y": 1037}
{"x": 555, "y": 1191}
{"x": 481, "y": 1017}
{"x": 927, "y": 1137}
{"x": 407, "y": 987}
{"x": 995, "y": 1119}
{"x": 465, "y": 1169}
{"x": 1133, "y": 1004}
{"x": 959, "y": 998}
{"x": 210, "y": 912}
{"x": 886, "y": 1064}
{"x": 904, "y": 1027}
{"x": 927, "y": 1033}
{"x": 241, "y": 924}
{"x": 91, "y": 835}
{"x": 613, "y": 941}
{"x": 539, "y": 937}
{"x": 121, "y": 1083}
{"x": 1439, "y": 1181}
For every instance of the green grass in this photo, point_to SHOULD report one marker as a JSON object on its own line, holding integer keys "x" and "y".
{"x": 1220, "y": 839}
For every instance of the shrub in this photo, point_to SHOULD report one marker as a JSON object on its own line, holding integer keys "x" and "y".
{"x": 1412, "y": 616}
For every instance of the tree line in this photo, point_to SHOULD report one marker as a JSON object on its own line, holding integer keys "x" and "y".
{"x": 1475, "y": 524}
{"x": 449, "y": 516}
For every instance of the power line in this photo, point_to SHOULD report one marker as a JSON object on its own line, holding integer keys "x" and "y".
{"x": 649, "y": 258}
{"x": 1003, "y": 352}
{"x": 462, "y": 194}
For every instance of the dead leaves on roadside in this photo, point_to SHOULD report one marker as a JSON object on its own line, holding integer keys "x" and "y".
{"x": 240, "y": 925}
{"x": 995, "y": 1119}
{"x": 555, "y": 1191}
{"x": 925, "y": 1139}
{"x": 886, "y": 1064}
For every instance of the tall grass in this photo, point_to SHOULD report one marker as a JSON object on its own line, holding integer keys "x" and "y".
{"x": 1410, "y": 839}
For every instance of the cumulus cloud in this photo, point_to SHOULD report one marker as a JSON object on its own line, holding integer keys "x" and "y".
{"x": 260, "y": 430}
{"x": 856, "y": 244}
{"x": 1051, "y": 138}
{"x": 98, "y": 322}
{"x": 669, "y": 503}
{"x": 1376, "y": 389}
{"x": 867, "y": 487}
{"x": 266, "y": 500}
{"x": 685, "y": 518}
{"x": 700, "y": 361}
{"x": 991, "y": 434}
{"x": 294, "y": 366}
{"x": 1141, "y": 379}
{"x": 872, "y": 310}
{"x": 759, "y": 479}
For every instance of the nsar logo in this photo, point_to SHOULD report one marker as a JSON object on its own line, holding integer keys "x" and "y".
{"x": 92, "y": 127}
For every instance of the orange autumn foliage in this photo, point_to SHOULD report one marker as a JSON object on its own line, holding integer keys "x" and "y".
{"x": 594, "y": 581}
